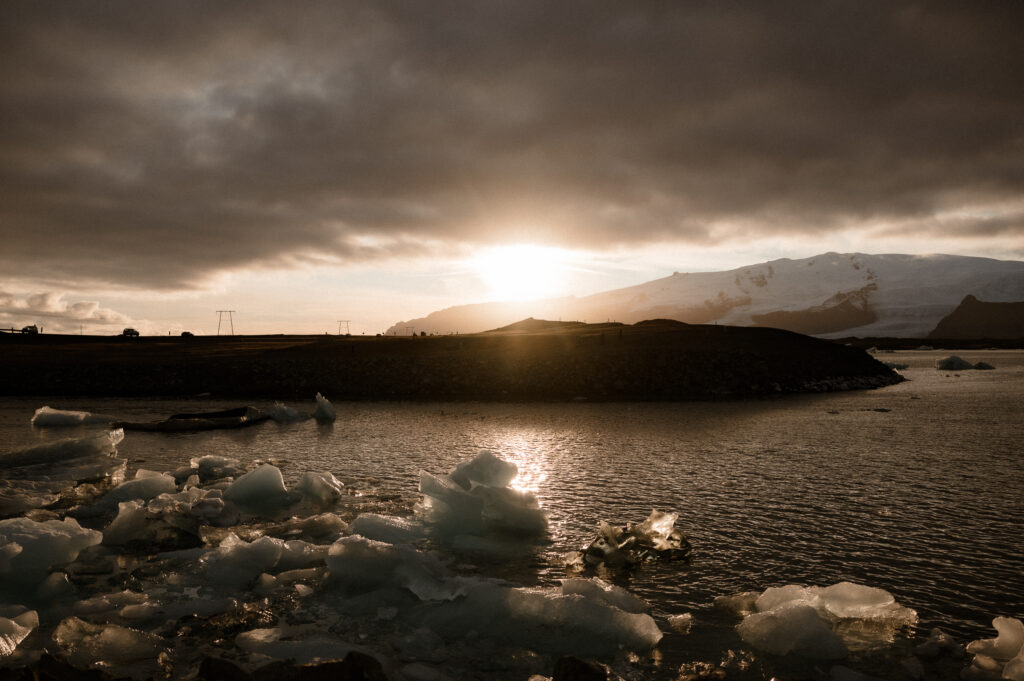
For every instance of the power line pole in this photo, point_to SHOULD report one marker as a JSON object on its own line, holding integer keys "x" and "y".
{"x": 410, "y": 329}
{"x": 345, "y": 322}
{"x": 231, "y": 320}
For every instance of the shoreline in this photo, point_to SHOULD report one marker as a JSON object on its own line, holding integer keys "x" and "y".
{"x": 540, "y": 362}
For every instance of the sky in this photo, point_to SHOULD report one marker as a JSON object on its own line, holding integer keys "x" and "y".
{"x": 343, "y": 165}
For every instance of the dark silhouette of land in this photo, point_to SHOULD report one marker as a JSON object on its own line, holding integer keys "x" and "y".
{"x": 533, "y": 360}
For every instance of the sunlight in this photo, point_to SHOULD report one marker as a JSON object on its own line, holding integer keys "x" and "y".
{"x": 523, "y": 271}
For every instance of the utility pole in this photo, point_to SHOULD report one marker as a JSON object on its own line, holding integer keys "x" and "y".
{"x": 345, "y": 322}
{"x": 410, "y": 329}
{"x": 231, "y": 320}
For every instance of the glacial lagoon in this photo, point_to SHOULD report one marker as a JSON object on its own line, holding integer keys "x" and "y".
{"x": 916, "y": 489}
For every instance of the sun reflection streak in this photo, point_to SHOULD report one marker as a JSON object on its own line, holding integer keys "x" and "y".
{"x": 531, "y": 460}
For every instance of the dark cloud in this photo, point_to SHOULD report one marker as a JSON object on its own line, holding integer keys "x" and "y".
{"x": 155, "y": 144}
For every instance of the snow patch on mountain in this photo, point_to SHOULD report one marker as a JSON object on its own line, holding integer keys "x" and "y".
{"x": 830, "y": 295}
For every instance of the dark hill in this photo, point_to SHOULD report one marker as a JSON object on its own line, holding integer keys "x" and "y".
{"x": 976, "y": 319}
{"x": 583, "y": 361}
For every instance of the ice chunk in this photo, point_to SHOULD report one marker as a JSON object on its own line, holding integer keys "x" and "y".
{"x": 782, "y": 622}
{"x": 16, "y": 623}
{"x": 486, "y": 468}
{"x": 681, "y": 623}
{"x": 146, "y": 485}
{"x": 85, "y": 644}
{"x": 105, "y": 603}
{"x": 321, "y": 488}
{"x": 792, "y": 629}
{"x": 598, "y": 589}
{"x": 653, "y": 539}
{"x": 46, "y": 417}
{"x": 103, "y": 444}
{"x": 741, "y": 604}
{"x": 999, "y": 657}
{"x": 847, "y": 600}
{"x": 292, "y": 643}
{"x": 475, "y": 498}
{"x": 7, "y": 552}
{"x": 212, "y": 467}
{"x": 43, "y": 545}
{"x": 285, "y": 414}
{"x": 236, "y": 562}
{"x": 543, "y": 620}
{"x": 130, "y": 524}
{"x": 386, "y": 528}
{"x": 324, "y": 412}
{"x": 260, "y": 489}
{"x": 360, "y": 564}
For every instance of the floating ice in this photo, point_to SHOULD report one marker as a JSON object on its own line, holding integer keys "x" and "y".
{"x": 213, "y": 467}
{"x": 807, "y": 620}
{"x": 262, "y": 488}
{"x": 47, "y": 417}
{"x": 324, "y": 412}
{"x": 681, "y": 623}
{"x": 106, "y": 603}
{"x": 285, "y": 414}
{"x": 1001, "y": 657}
{"x": 71, "y": 448}
{"x": 653, "y": 539}
{"x": 386, "y": 528}
{"x": 146, "y": 485}
{"x": 599, "y": 589}
{"x": 487, "y": 468}
{"x": 475, "y": 498}
{"x": 792, "y": 629}
{"x": 321, "y": 488}
{"x": 236, "y": 562}
{"x": 85, "y": 644}
{"x": 301, "y": 644}
{"x": 43, "y": 545}
{"x": 544, "y": 620}
{"x": 130, "y": 524}
{"x": 16, "y": 623}
{"x": 360, "y": 564}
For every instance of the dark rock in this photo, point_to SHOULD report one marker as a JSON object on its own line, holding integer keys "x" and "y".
{"x": 219, "y": 669}
{"x": 974, "y": 318}
{"x": 571, "y": 668}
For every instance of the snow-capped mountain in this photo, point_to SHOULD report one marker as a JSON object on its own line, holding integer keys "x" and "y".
{"x": 829, "y": 295}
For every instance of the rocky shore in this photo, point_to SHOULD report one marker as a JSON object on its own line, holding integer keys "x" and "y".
{"x": 529, "y": 361}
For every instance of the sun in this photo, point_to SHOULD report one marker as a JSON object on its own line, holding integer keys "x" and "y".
{"x": 522, "y": 271}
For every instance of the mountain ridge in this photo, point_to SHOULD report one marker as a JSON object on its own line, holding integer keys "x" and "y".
{"x": 827, "y": 295}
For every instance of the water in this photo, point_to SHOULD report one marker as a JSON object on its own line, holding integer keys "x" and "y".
{"x": 916, "y": 488}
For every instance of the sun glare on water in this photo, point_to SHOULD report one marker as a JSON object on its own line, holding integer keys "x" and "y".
{"x": 522, "y": 271}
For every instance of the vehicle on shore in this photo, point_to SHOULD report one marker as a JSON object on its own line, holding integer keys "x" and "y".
{"x": 130, "y": 333}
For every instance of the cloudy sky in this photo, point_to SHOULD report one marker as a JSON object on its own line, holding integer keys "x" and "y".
{"x": 306, "y": 162}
